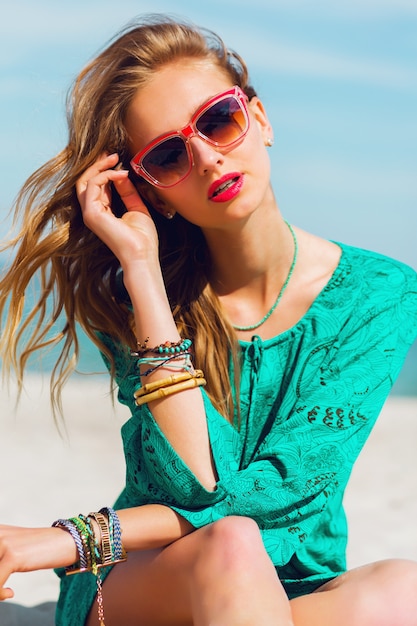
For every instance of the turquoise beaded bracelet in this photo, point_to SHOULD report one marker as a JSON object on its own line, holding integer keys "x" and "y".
{"x": 168, "y": 347}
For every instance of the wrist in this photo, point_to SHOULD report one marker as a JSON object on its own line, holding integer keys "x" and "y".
{"x": 143, "y": 278}
{"x": 97, "y": 538}
{"x": 64, "y": 553}
{"x": 146, "y": 267}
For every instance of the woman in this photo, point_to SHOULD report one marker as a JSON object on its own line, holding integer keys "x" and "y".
{"x": 254, "y": 356}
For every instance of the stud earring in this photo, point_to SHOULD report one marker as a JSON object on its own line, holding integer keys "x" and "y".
{"x": 269, "y": 142}
{"x": 169, "y": 215}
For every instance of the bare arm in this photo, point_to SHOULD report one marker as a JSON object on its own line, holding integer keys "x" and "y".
{"x": 28, "y": 549}
{"x": 133, "y": 240}
{"x": 181, "y": 417}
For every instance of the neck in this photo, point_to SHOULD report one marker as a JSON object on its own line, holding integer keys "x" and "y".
{"x": 251, "y": 255}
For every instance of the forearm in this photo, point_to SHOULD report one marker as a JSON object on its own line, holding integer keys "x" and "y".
{"x": 151, "y": 526}
{"x": 180, "y": 416}
{"x": 153, "y": 316}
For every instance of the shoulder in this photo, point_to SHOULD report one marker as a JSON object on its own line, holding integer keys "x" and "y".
{"x": 368, "y": 289}
{"x": 377, "y": 272}
{"x": 345, "y": 283}
{"x": 374, "y": 291}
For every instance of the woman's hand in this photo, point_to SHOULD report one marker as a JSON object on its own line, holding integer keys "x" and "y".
{"x": 132, "y": 237}
{"x": 30, "y": 549}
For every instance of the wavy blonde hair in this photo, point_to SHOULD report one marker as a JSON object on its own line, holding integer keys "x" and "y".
{"x": 78, "y": 275}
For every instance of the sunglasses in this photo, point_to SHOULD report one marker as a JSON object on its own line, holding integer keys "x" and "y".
{"x": 222, "y": 122}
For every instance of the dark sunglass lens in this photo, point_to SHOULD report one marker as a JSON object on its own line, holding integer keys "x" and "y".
{"x": 224, "y": 122}
{"x": 168, "y": 161}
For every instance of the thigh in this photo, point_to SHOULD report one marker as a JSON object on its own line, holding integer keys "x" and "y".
{"x": 150, "y": 589}
{"x": 219, "y": 574}
{"x": 380, "y": 594}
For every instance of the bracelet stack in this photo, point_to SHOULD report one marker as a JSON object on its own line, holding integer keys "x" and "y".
{"x": 95, "y": 549}
{"x": 173, "y": 355}
{"x": 168, "y": 386}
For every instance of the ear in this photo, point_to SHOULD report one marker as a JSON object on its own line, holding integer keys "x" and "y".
{"x": 259, "y": 114}
{"x": 159, "y": 204}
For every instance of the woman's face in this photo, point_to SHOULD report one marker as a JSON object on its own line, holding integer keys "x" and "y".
{"x": 225, "y": 185}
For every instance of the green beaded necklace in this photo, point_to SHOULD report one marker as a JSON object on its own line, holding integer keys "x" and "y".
{"x": 281, "y": 293}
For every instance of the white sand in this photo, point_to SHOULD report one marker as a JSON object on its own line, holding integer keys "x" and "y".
{"x": 44, "y": 477}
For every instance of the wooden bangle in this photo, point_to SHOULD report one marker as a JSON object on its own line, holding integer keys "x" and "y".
{"x": 166, "y": 382}
{"x": 163, "y": 392}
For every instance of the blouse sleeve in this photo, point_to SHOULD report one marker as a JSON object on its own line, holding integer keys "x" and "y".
{"x": 310, "y": 441}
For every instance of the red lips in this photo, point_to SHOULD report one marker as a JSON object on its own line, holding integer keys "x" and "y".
{"x": 226, "y": 187}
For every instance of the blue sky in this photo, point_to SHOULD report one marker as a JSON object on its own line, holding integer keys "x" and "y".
{"x": 339, "y": 80}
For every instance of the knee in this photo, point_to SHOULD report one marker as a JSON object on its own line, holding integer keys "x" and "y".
{"x": 401, "y": 588}
{"x": 392, "y": 595}
{"x": 232, "y": 542}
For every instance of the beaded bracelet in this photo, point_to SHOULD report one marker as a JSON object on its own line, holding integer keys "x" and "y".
{"x": 185, "y": 363}
{"x": 86, "y": 536}
{"x": 168, "y": 347}
{"x": 163, "y": 392}
{"x": 91, "y": 545}
{"x": 166, "y": 382}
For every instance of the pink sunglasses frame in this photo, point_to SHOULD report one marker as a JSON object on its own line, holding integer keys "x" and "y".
{"x": 190, "y": 131}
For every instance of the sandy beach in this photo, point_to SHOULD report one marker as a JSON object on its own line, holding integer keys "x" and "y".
{"x": 45, "y": 475}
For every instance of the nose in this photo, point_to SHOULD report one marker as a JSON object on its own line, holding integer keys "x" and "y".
{"x": 206, "y": 157}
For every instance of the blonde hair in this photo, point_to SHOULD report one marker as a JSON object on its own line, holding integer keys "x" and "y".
{"x": 78, "y": 275}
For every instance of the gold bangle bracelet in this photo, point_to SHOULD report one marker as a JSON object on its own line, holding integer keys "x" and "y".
{"x": 163, "y": 392}
{"x": 70, "y": 571}
{"x": 167, "y": 382}
{"x": 104, "y": 539}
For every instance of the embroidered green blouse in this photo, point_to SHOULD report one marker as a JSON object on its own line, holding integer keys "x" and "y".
{"x": 309, "y": 399}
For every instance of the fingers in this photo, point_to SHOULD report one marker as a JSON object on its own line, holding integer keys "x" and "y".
{"x": 129, "y": 195}
{"x": 6, "y": 594}
{"x": 130, "y": 237}
{"x": 5, "y": 571}
{"x": 101, "y": 165}
{"x": 93, "y": 187}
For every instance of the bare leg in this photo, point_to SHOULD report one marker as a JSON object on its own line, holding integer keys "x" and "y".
{"x": 221, "y": 575}
{"x": 204, "y": 579}
{"x": 381, "y": 594}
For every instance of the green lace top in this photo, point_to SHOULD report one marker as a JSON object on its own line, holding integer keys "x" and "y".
{"x": 309, "y": 399}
